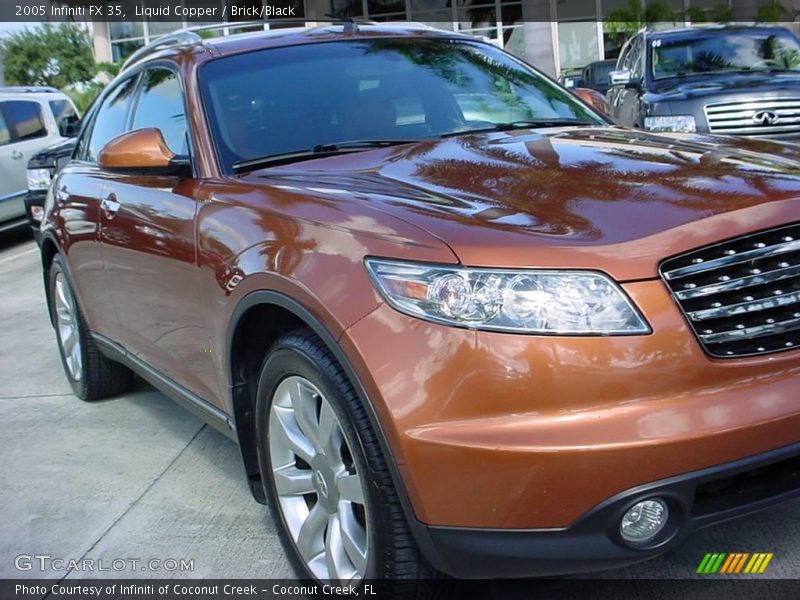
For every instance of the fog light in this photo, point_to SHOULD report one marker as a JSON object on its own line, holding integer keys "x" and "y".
{"x": 37, "y": 212}
{"x": 644, "y": 520}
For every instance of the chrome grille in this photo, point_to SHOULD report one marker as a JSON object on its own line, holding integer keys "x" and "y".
{"x": 758, "y": 117}
{"x": 741, "y": 297}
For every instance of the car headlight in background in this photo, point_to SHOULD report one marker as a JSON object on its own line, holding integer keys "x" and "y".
{"x": 38, "y": 179}
{"x": 37, "y": 212}
{"x": 673, "y": 123}
{"x": 524, "y": 301}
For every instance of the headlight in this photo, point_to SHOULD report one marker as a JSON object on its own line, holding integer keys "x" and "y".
{"x": 38, "y": 179}
{"x": 675, "y": 123}
{"x": 525, "y": 301}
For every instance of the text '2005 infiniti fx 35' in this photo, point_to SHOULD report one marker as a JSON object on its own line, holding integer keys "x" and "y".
{"x": 456, "y": 320}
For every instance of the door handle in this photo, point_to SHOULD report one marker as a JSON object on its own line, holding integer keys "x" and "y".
{"x": 110, "y": 205}
{"x": 16, "y": 154}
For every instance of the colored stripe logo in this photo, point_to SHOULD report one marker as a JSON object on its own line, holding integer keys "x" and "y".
{"x": 723, "y": 563}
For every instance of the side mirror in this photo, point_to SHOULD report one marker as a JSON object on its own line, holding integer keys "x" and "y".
{"x": 621, "y": 77}
{"x": 69, "y": 126}
{"x": 142, "y": 152}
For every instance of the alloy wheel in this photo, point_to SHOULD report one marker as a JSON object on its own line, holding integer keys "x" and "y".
{"x": 67, "y": 327}
{"x": 320, "y": 492}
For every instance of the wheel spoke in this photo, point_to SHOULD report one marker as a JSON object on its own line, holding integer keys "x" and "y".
{"x": 350, "y": 488}
{"x": 354, "y": 538}
{"x": 305, "y": 412}
{"x": 291, "y": 434}
{"x": 64, "y": 315}
{"x": 336, "y": 561}
{"x": 332, "y": 538}
{"x": 68, "y": 336}
{"x": 67, "y": 327}
{"x": 77, "y": 363}
{"x": 291, "y": 481}
{"x": 330, "y": 435}
{"x": 310, "y": 539}
{"x": 62, "y": 293}
{"x": 75, "y": 353}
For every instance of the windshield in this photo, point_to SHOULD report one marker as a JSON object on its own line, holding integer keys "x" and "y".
{"x": 297, "y": 98}
{"x": 743, "y": 51}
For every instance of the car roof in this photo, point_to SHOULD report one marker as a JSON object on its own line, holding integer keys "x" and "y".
{"x": 276, "y": 38}
{"x": 714, "y": 29}
{"x": 36, "y": 90}
{"x": 299, "y": 35}
{"x": 30, "y": 94}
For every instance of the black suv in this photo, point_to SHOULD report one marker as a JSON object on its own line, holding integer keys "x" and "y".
{"x": 42, "y": 168}
{"x": 722, "y": 79}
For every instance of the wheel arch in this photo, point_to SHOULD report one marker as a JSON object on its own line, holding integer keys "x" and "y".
{"x": 258, "y": 320}
{"x": 242, "y": 331}
{"x": 48, "y": 248}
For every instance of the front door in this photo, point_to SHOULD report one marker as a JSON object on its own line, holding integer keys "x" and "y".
{"x": 78, "y": 191}
{"x": 148, "y": 233}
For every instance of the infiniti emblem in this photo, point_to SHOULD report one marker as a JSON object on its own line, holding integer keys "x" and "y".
{"x": 765, "y": 118}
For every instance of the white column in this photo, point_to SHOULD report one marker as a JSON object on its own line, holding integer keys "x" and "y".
{"x": 541, "y": 45}
{"x": 102, "y": 45}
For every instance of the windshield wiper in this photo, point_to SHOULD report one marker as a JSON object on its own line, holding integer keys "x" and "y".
{"x": 318, "y": 151}
{"x": 539, "y": 123}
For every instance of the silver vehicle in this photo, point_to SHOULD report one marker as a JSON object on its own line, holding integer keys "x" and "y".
{"x": 31, "y": 119}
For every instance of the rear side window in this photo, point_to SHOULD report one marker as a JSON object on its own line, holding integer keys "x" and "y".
{"x": 61, "y": 109}
{"x": 112, "y": 118}
{"x": 5, "y": 134}
{"x": 160, "y": 105}
{"x": 24, "y": 119}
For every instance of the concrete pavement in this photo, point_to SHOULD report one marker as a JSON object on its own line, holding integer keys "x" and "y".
{"x": 137, "y": 477}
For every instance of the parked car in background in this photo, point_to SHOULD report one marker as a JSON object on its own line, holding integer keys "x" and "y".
{"x": 456, "y": 320}
{"x": 718, "y": 79}
{"x": 571, "y": 79}
{"x": 31, "y": 118}
{"x": 596, "y": 75}
{"x": 41, "y": 169}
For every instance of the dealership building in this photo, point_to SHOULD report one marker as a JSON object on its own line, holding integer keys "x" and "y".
{"x": 553, "y": 35}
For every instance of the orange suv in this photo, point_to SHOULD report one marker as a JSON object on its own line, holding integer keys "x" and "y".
{"x": 456, "y": 321}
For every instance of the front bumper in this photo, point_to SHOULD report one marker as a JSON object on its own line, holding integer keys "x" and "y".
{"x": 513, "y": 444}
{"x": 592, "y": 543}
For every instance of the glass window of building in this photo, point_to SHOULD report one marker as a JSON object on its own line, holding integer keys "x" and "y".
{"x": 500, "y": 21}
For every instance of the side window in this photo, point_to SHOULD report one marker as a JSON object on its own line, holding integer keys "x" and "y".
{"x": 61, "y": 109}
{"x": 622, "y": 61}
{"x": 111, "y": 119}
{"x": 636, "y": 67}
{"x": 161, "y": 106}
{"x": 5, "y": 134}
{"x": 82, "y": 147}
{"x": 24, "y": 119}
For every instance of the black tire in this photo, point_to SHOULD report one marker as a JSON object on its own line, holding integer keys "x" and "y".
{"x": 394, "y": 554}
{"x": 100, "y": 377}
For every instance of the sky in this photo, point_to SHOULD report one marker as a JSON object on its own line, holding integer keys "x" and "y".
{"x": 7, "y": 27}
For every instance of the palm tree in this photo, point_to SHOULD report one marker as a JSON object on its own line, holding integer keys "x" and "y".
{"x": 624, "y": 22}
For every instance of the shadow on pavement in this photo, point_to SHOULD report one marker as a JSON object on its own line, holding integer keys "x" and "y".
{"x": 15, "y": 237}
